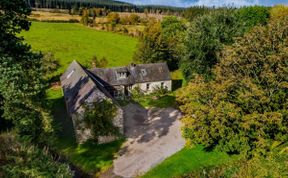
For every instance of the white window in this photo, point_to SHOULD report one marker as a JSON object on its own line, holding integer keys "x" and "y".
{"x": 122, "y": 75}
{"x": 148, "y": 86}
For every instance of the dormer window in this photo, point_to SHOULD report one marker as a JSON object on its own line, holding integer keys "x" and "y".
{"x": 143, "y": 72}
{"x": 121, "y": 75}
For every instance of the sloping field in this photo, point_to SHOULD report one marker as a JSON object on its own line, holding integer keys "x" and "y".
{"x": 69, "y": 41}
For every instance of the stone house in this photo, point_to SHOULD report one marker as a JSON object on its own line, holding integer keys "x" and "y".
{"x": 81, "y": 86}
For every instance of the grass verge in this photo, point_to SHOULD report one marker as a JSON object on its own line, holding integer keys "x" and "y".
{"x": 188, "y": 160}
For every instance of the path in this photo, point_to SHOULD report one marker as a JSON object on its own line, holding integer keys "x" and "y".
{"x": 152, "y": 135}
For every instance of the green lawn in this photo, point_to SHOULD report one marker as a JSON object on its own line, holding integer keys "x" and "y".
{"x": 188, "y": 160}
{"x": 69, "y": 41}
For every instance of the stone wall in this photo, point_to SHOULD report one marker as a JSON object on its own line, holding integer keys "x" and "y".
{"x": 83, "y": 133}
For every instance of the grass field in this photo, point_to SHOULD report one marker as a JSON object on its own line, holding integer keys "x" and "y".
{"x": 72, "y": 41}
{"x": 188, "y": 160}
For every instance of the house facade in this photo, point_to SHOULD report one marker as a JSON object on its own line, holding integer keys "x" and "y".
{"x": 120, "y": 81}
{"x": 82, "y": 86}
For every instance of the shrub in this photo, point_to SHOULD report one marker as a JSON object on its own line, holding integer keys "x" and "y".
{"x": 18, "y": 158}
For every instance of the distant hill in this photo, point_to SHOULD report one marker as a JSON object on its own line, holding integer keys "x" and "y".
{"x": 69, "y": 4}
{"x": 109, "y": 4}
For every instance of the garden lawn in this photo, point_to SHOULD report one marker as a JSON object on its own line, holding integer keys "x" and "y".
{"x": 73, "y": 41}
{"x": 186, "y": 161}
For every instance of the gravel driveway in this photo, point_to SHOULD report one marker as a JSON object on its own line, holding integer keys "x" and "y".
{"x": 152, "y": 135}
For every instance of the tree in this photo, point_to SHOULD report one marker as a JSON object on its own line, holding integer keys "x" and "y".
{"x": 22, "y": 84}
{"x": 134, "y": 19}
{"x": 206, "y": 37}
{"x": 50, "y": 65}
{"x": 253, "y": 15}
{"x": 162, "y": 42}
{"x": 244, "y": 110}
{"x": 279, "y": 11}
{"x": 102, "y": 63}
{"x": 152, "y": 48}
{"x": 113, "y": 18}
{"x": 173, "y": 33}
{"x": 19, "y": 158}
{"x": 99, "y": 117}
{"x": 85, "y": 17}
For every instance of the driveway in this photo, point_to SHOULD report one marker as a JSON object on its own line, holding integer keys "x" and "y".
{"x": 152, "y": 135}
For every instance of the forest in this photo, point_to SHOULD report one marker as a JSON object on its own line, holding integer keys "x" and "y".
{"x": 108, "y": 4}
{"x": 234, "y": 63}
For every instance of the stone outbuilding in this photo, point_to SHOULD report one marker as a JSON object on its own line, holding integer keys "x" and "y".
{"x": 82, "y": 86}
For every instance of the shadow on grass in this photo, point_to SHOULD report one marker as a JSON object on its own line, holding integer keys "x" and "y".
{"x": 90, "y": 157}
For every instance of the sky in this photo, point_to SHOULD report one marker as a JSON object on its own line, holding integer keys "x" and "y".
{"x": 217, "y": 3}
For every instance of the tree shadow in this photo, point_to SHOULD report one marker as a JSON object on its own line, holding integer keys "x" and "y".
{"x": 176, "y": 84}
{"x": 144, "y": 125}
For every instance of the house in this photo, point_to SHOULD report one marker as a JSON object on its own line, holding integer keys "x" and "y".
{"x": 81, "y": 86}
{"x": 119, "y": 81}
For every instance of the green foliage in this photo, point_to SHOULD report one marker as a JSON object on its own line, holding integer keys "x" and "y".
{"x": 99, "y": 117}
{"x": 206, "y": 37}
{"x": 162, "y": 41}
{"x": 50, "y": 65}
{"x": 187, "y": 160}
{"x": 19, "y": 158}
{"x": 22, "y": 74}
{"x": 73, "y": 41}
{"x": 244, "y": 110}
{"x": 194, "y": 12}
{"x": 102, "y": 63}
{"x": 253, "y": 15}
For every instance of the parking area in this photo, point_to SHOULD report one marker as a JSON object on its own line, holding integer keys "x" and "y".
{"x": 152, "y": 135}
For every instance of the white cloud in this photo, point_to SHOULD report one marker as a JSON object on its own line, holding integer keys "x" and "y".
{"x": 228, "y": 2}
{"x": 186, "y": 3}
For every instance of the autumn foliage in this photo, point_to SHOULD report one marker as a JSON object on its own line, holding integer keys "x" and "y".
{"x": 244, "y": 110}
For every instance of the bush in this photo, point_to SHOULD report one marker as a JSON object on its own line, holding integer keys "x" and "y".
{"x": 18, "y": 158}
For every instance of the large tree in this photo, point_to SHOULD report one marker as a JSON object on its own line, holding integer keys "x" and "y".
{"x": 206, "y": 37}
{"x": 162, "y": 42}
{"x": 22, "y": 71}
{"x": 244, "y": 110}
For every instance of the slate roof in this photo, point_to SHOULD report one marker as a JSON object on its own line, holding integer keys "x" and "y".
{"x": 138, "y": 73}
{"x": 79, "y": 87}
